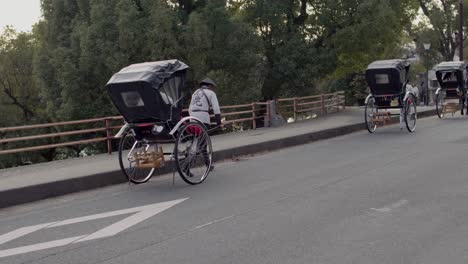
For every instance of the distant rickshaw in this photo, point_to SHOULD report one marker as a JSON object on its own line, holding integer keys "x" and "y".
{"x": 452, "y": 95}
{"x": 389, "y": 89}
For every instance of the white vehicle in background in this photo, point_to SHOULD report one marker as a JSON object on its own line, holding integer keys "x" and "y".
{"x": 433, "y": 86}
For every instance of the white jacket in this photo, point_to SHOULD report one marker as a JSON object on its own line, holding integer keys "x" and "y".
{"x": 200, "y": 104}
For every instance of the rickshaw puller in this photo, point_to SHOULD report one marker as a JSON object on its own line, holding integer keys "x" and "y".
{"x": 204, "y": 99}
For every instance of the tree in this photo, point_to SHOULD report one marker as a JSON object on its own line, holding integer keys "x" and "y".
{"x": 226, "y": 49}
{"x": 20, "y": 101}
{"x": 440, "y": 26}
{"x": 163, "y": 33}
{"x": 290, "y": 58}
{"x": 186, "y": 7}
{"x": 356, "y": 32}
{"x": 352, "y": 33}
{"x": 57, "y": 55}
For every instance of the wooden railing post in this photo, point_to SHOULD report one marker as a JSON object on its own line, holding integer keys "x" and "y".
{"x": 267, "y": 121}
{"x": 322, "y": 102}
{"x": 335, "y": 102}
{"x": 277, "y": 107}
{"x": 109, "y": 137}
{"x": 330, "y": 105}
{"x": 254, "y": 117}
{"x": 342, "y": 99}
{"x": 295, "y": 109}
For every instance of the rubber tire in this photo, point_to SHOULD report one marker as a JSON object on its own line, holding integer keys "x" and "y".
{"x": 415, "y": 112}
{"x": 122, "y": 167}
{"x": 176, "y": 154}
{"x": 440, "y": 114}
{"x": 371, "y": 130}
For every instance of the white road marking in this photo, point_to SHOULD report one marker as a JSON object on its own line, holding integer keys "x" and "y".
{"x": 117, "y": 213}
{"x": 37, "y": 247}
{"x": 22, "y": 232}
{"x": 213, "y": 222}
{"x": 131, "y": 220}
{"x": 391, "y": 207}
{"x": 142, "y": 213}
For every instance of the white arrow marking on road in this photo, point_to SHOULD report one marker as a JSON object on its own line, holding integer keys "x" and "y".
{"x": 120, "y": 226}
{"x": 22, "y": 232}
{"x": 37, "y": 247}
{"x": 142, "y": 213}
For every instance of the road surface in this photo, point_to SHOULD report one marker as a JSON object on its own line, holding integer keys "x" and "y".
{"x": 390, "y": 197}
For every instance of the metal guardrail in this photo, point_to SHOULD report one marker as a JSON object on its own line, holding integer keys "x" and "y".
{"x": 245, "y": 113}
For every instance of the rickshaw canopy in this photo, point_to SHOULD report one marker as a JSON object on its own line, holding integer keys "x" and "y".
{"x": 387, "y": 76}
{"x": 150, "y": 91}
{"x": 451, "y": 74}
{"x": 154, "y": 73}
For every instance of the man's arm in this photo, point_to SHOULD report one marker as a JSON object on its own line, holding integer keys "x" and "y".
{"x": 216, "y": 109}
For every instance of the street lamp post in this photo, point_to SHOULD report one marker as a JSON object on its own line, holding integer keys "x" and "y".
{"x": 460, "y": 2}
{"x": 427, "y": 47}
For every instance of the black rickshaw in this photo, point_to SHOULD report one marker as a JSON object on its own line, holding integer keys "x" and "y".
{"x": 452, "y": 95}
{"x": 149, "y": 97}
{"x": 389, "y": 89}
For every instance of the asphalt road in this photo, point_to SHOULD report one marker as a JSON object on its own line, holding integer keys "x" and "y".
{"x": 390, "y": 197}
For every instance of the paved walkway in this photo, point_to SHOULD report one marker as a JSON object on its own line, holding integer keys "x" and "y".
{"x": 40, "y": 181}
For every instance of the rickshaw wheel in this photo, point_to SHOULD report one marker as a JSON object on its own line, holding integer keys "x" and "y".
{"x": 128, "y": 147}
{"x": 369, "y": 114}
{"x": 410, "y": 113}
{"x": 193, "y": 153}
{"x": 463, "y": 103}
{"x": 439, "y": 102}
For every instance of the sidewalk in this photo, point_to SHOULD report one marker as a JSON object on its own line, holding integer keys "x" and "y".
{"x": 35, "y": 182}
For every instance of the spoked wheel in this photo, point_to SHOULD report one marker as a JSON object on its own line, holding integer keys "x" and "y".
{"x": 369, "y": 115}
{"x": 410, "y": 113}
{"x": 439, "y": 102}
{"x": 128, "y": 148}
{"x": 193, "y": 153}
{"x": 466, "y": 102}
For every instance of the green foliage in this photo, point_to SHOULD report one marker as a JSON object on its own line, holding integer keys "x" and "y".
{"x": 19, "y": 101}
{"x": 439, "y": 27}
{"x": 163, "y": 33}
{"x": 225, "y": 49}
{"x": 292, "y": 61}
{"x": 374, "y": 33}
{"x": 255, "y": 49}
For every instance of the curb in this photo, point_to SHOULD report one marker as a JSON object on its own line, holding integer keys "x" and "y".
{"x": 58, "y": 188}
{"x": 301, "y": 139}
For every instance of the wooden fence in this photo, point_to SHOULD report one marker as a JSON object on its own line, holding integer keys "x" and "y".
{"x": 299, "y": 107}
{"x": 100, "y": 130}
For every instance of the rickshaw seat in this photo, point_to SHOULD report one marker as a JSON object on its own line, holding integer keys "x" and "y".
{"x": 195, "y": 130}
